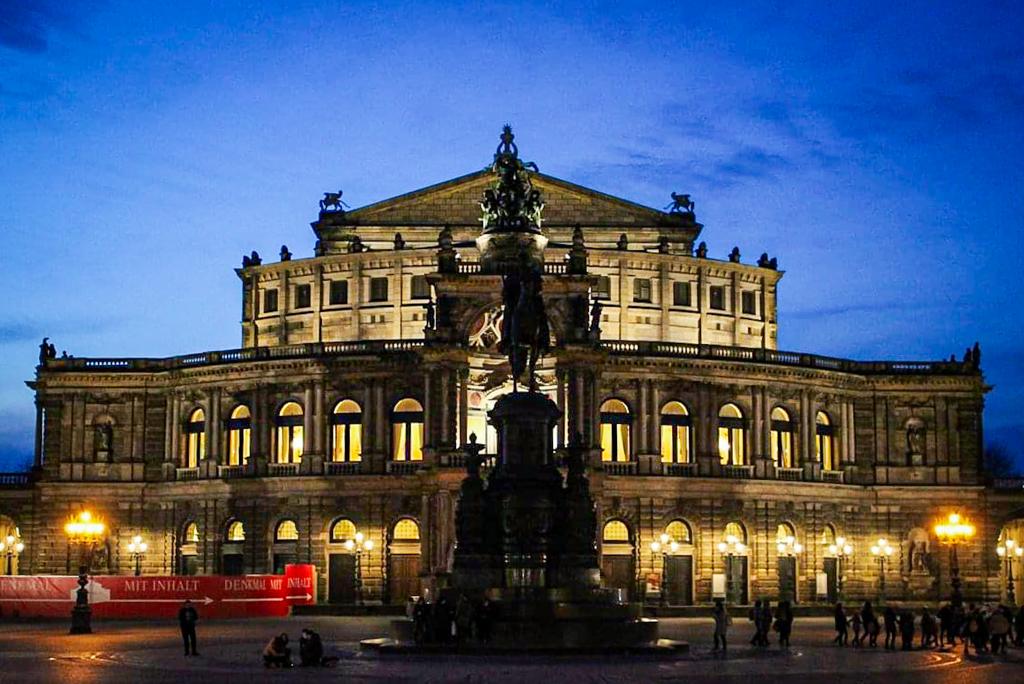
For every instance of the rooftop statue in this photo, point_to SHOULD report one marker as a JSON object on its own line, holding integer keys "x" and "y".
{"x": 332, "y": 202}
{"x": 511, "y": 204}
{"x": 680, "y": 204}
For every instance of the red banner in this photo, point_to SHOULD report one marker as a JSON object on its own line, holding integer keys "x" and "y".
{"x": 151, "y": 596}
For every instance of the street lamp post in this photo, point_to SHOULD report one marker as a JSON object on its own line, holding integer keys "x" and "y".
{"x": 359, "y": 545}
{"x": 1009, "y": 551}
{"x": 730, "y": 548}
{"x": 881, "y": 550}
{"x": 86, "y": 533}
{"x": 137, "y": 549}
{"x": 842, "y": 550}
{"x": 11, "y": 547}
{"x": 954, "y": 532}
{"x": 664, "y": 545}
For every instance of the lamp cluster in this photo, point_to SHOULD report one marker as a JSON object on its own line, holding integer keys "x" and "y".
{"x": 731, "y": 545}
{"x": 664, "y": 543}
{"x": 841, "y": 548}
{"x": 954, "y": 530}
{"x": 1007, "y": 549}
{"x": 84, "y": 527}
{"x": 360, "y": 543}
{"x": 881, "y": 548}
{"x": 136, "y": 545}
{"x": 789, "y": 546}
{"x": 11, "y": 544}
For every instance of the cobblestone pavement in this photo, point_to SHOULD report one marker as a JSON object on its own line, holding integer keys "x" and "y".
{"x": 230, "y": 651}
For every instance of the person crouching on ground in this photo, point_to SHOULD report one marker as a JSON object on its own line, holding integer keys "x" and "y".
{"x": 277, "y": 653}
{"x": 311, "y": 650}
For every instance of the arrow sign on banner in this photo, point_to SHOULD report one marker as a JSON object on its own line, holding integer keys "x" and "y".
{"x": 206, "y": 600}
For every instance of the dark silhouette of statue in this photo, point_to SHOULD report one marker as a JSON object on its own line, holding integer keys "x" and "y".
{"x": 46, "y": 351}
{"x": 734, "y": 255}
{"x": 680, "y": 204}
{"x": 524, "y": 326}
{"x": 332, "y": 202}
{"x": 702, "y": 250}
{"x": 285, "y": 254}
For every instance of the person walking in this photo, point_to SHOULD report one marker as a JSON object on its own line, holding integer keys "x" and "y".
{"x": 188, "y": 616}
{"x": 840, "y": 623}
{"x": 857, "y": 624}
{"x": 722, "y": 622}
{"x": 756, "y": 617}
{"x": 766, "y": 622}
{"x": 889, "y": 617}
{"x": 906, "y": 620}
{"x": 784, "y": 623}
{"x": 867, "y": 616}
{"x": 945, "y": 615}
{"x": 929, "y": 638}
{"x": 998, "y": 629}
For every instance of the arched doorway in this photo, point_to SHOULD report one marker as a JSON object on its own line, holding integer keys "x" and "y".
{"x": 232, "y": 550}
{"x": 678, "y": 577}
{"x": 618, "y": 557}
{"x": 788, "y": 548}
{"x": 285, "y": 548}
{"x": 403, "y": 561}
{"x": 11, "y": 546}
{"x": 1010, "y": 552}
{"x": 734, "y": 552}
{"x": 189, "y": 550}
{"x": 341, "y": 561}
{"x": 830, "y": 563}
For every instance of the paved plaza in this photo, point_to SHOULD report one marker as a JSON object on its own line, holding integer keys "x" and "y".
{"x": 230, "y": 651}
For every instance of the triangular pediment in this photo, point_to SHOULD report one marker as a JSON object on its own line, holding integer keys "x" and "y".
{"x": 457, "y": 201}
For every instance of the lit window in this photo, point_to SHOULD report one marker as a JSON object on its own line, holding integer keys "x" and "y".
{"x": 286, "y": 531}
{"x": 407, "y": 431}
{"x": 406, "y": 529}
{"x": 420, "y": 287}
{"x": 603, "y": 288}
{"x": 675, "y": 433}
{"x": 339, "y": 292}
{"x": 378, "y": 289}
{"x": 239, "y": 427}
{"x": 342, "y": 530}
{"x": 785, "y": 534}
{"x": 679, "y": 532}
{"x": 302, "y": 297}
{"x": 195, "y": 438}
{"x": 731, "y": 434}
{"x": 269, "y": 301}
{"x": 748, "y": 302}
{"x": 289, "y": 433}
{"x": 615, "y": 427}
{"x": 347, "y": 432}
{"x": 828, "y": 537}
{"x": 236, "y": 532}
{"x": 616, "y": 532}
{"x": 717, "y": 298}
{"x": 735, "y": 532}
{"x": 782, "y": 438}
{"x": 681, "y": 294}
{"x": 824, "y": 436}
{"x": 192, "y": 533}
{"x": 642, "y": 290}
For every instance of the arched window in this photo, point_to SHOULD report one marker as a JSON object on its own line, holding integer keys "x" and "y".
{"x": 286, "y": 531}
{"x": 731, "y": 436}
{"x": 785, "y": 533}
{"x": 406, "y": 529}
{"x": 342, "y": 530}
{"x": 828, "y": 537}
{"x": 239, "y": 427}
{"x": 407, "y": 431}
{"x": 782, "y": 438}
{"x": 675, "y": 433}
{"x": 615, "y": 532}
{"x": 236, "y": 531}
{"x": 679, "y": 532}
{"x": 192, "y": 533}
{"x": 823, "y": 441}
{"x": 347, "y": 432}
{"x": 289, "y": 433}
{"x": 615, "y": 425}
{"x": 195, "y": 438}
{"x": 735, "y": 532}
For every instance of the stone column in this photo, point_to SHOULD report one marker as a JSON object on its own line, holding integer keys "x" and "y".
{"x": 37, "y": 459}
{"x": 312, "y": 460}
{"x": 561, "y": 397}
{"x": 463, "y": 378}
{"x": 320, "y": 419}
{"x": 445, "y": 437}
{"x": 707, "y": 453}
{"x": 428, "y": 432}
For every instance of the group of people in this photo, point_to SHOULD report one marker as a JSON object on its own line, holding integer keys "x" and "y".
{"x": 986, "y": 628}
{"x": 447, "y": 622}
{"x": 763, "y": 619}
{"x": 277, "y": 652}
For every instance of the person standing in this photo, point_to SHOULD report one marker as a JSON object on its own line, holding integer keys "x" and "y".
{"x": 857, "y": 624}
{"x": 928, "y": 629}
{"x": 906, "y": 620}
{"x": 765, "y": 625}
{"x": 867, "y": 616}
{"x": 722, "y": 622}
{"x": 889, "y": 617}
{"x": 841, "y": 631}
{"x": 755, "y": 617}
{"x": 784, "y": 623}
{"x": 187, "y": 619}
{"x": 945, "y": 615}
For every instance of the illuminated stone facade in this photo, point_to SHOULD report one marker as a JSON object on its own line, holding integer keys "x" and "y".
{"x": 365, "y": 367}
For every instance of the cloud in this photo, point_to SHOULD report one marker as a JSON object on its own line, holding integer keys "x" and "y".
{"x": 17, "y": 332}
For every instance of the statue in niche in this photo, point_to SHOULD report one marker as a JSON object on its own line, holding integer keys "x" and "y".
{"x": 104, "y": 438}
{"x": 919, "y": 559}
{"x": 595, "y": 317}
{"x": 915, "y": 441}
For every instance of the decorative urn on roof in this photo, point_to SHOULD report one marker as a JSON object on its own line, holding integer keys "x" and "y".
{"x": 511, "y": 213}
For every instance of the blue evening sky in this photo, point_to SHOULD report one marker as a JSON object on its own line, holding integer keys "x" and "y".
{"x": 875, "y": 148}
